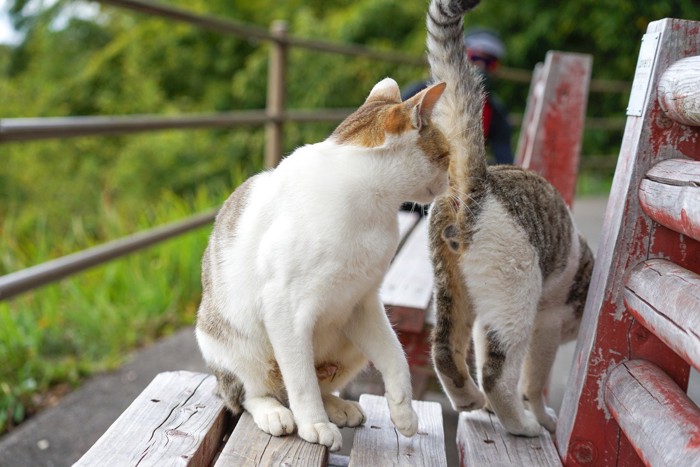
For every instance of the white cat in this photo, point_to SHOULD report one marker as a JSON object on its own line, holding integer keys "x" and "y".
{"x": 290, "y": 308}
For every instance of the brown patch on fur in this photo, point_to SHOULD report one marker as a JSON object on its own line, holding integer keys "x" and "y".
{"x": 274, "y": 382}
{"x": 328, "y": 370}
{"x": 398, "y": 120}
{"x": 434, "y": 144}
{"x": 365, "y": 127}
{"x": 230, "y": 389}
{"x": 495, "y": 359}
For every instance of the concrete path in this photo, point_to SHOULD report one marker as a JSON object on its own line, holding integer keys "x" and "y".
{"x": 60, "y": 435}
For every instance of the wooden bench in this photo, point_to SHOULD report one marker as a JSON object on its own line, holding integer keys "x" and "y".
{"x": 178, "y": 420}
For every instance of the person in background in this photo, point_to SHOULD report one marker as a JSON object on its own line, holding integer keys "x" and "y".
{"x": 485, "y": 50}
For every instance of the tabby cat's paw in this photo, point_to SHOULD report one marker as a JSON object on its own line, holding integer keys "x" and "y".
{"x": 276, "y": 421}
{"x": 326, "y": 434}
{"x": 344, "y": 413}
{"x": 548, "y": 419}
{"x": 528, "y": 426}
{"x": 471, "y": 398}
{"x": 404, "y": 418}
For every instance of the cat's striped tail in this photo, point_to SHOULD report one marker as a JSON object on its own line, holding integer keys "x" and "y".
{"x": 461, "y": 106}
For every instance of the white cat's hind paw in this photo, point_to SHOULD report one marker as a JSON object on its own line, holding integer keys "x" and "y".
{"x": 276, "y": 421}
{"x": 344, "y": 413}
{"x": 404, "y": 418}
{"x": 326, "y": 434}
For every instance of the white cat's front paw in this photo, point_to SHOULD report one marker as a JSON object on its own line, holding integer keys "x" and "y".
{"x": 528, "y": 426}
{"x": 325, "y": 433}
{"x": 404, "y": 418}
{"x": 276, "y": 421}
{"x": 344, "y": 413}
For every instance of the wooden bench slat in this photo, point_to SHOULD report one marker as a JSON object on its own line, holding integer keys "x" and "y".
{"x": 670, "y": 194}
{"x": 482, "y": 440}
{"x": 667, "y": 430}
{"x": 176, "y": 420}
{"x": 681, "y": 172}
{"x": 377, "y": 443}
{"x": 666, "y": 299}
{"x": 250, "y": 446}
{"x": 409, "y": 281}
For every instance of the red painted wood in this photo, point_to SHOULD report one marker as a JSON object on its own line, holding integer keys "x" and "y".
{"x": 551, "y": 135}
{"x": 667, "y": 430}
{"x": 406, "y": 319}
{"x": 587, "y": 433}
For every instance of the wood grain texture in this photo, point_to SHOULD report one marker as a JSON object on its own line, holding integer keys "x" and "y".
{"x": 679, "y": 91}
{"x": 176, "y": 420}
{"x": 409, "y": 281}
{"x": 249, "y": 446}
{"x": 587, "y": 435}
{"x": 667, "y": 430}
{"x": 551, "y": 142}
{"x": 377, "y": 443}
{"x": 665, "y": 298}
{"x": 671, "y": 196}
{"x": 482, "y": 441}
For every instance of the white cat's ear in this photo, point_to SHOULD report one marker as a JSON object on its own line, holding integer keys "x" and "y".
{"x": 386, "y": 89}
{"x": 426, "y": 104}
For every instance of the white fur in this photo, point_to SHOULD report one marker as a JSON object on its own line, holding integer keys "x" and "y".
{"x": 300, "y": 277}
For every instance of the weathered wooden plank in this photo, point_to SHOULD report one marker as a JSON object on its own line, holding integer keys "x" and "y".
{"x": 551, "y": 144}
{"x": 249, "y": 446}
{"x": 176, "y": 420}
{"x": 665, "y": 298}
{"x": 409, "y": 281}
{"x": 482, "y": 440}
{"x": 377, "y": 443}
{"x": 586, "y": 434}
{"x": 655, "y": 415}
{"x": 671, "y": 195}
{"x": 681, "y": 172}
{"x": 679, "y": 91}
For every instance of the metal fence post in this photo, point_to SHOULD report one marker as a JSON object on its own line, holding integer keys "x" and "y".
{"x": 276, "y": 94}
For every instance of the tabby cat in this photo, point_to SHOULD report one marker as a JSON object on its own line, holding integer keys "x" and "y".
{"x": 512, "y": 272}
{"x": 290, "y": 309}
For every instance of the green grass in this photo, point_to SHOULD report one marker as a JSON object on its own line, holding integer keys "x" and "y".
{"x": 63, "y": 332}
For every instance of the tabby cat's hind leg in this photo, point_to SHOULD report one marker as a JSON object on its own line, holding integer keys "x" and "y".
{"x": 451, "y": 348}
{"x": 538, "y": 365}
{"x": 230, "y": 389}
{"x": 500, "y": 363}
